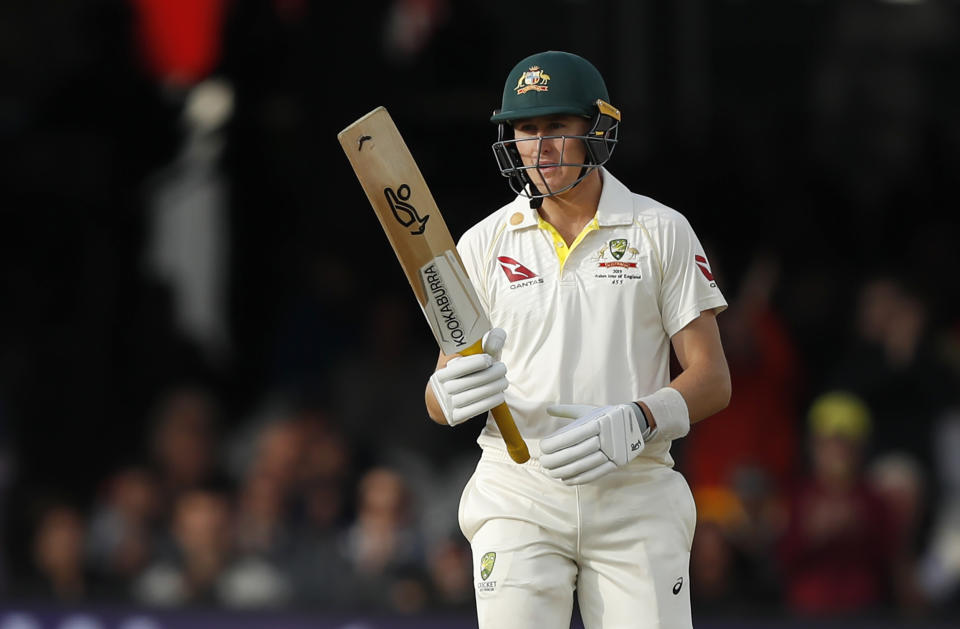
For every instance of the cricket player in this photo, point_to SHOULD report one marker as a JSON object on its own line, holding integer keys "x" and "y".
{"x": 587, "y": 285}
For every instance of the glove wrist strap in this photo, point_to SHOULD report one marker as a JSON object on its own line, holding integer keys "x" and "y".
{"x": 645, "y": 429}
{"x": 670, "y": 412}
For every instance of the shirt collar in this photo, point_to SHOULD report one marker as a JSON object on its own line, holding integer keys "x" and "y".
{"x": 615, "y": 207}
{"x": 616, "y": 202}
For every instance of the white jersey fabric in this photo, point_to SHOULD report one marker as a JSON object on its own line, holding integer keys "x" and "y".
{"x": 588, "y": 324}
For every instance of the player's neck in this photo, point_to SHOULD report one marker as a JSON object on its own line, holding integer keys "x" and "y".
{"x": 571, "y": 211}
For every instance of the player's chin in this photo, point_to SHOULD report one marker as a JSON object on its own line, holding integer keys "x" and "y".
{"x": 558, "y": 186}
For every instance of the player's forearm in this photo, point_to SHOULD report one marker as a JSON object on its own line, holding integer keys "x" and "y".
{"x": 705, "y": 388}
{"x": 704, "y": 382}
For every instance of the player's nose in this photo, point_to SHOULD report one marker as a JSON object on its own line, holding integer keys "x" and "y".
{"x": 549, "y": 145}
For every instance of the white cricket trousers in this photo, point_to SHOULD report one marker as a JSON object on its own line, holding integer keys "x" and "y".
{"x": 622, "y": 543}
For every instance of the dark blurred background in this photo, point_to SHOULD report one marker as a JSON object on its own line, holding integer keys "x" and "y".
{"x": 211, "y": 369}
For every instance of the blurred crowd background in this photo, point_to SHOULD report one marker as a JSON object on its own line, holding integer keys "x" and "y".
{"x": 211, "y": 369}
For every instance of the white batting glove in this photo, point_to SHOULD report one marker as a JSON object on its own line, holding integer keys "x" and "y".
{"x": 470, "y": 385}
{"x": 598, "y": 442}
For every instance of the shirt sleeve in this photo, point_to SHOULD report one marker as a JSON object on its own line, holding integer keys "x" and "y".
{"x": 688, "y": 287}
{"x": 469, "y": 249}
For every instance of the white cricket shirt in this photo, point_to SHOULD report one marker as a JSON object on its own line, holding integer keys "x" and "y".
{"x": 588, "y": 324}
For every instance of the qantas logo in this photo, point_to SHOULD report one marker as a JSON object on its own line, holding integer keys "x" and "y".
{"x": 515, "y": 271}
{"x": 704, "y": 267}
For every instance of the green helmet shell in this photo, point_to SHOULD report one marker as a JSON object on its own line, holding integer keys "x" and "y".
{"x": 551, "y": 82}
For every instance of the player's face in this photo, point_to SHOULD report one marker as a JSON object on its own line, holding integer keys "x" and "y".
{"x": 539, "y": 148}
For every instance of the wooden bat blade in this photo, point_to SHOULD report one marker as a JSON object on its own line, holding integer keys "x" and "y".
{"x": 416, "y": 229}
{"x": 427, "y": 252}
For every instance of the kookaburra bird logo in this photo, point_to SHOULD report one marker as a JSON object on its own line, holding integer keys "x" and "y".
{"x": 404, "y": 212}
{"x": 533, "y": 79}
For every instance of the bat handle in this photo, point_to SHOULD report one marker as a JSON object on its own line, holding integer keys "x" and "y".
{"x": 516, "y": 447}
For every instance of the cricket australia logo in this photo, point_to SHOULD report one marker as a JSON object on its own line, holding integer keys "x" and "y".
{"x": 618, "y": 248}
{"x": 486, "y": 565}
{"x": 404, "y": 212}
{"x": 619, "y": 268}
{"x": 533, "y": 79}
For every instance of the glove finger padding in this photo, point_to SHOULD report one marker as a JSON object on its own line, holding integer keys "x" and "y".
{"x": 493, "y": 342}
{"x": 462, "y": 366}
{"x": 592, "y": 474}
{"x": 570, "y": 411}
{"x": 595, "y": 444}
{"x": 572, "y": 434}
{"x": 579, "y": 466}
{"x": 468, "y": 386}
{"x": 480, "y": 392}
{"x": 462, "y": 414}
{"x": 554, "y": 460}
{"x": 472, "y": 380}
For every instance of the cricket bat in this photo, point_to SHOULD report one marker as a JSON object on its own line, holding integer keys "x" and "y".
{"x": 423, "y": 244}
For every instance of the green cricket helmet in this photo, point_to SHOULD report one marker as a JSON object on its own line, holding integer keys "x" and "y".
{"x": 548, "y": 83}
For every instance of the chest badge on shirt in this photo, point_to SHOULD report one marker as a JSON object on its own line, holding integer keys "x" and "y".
{"x": 518, "y": 274}
{"x": 616, "y": 261}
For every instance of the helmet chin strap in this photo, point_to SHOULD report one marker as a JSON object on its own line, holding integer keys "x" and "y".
{"x": 536, "y": 200}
